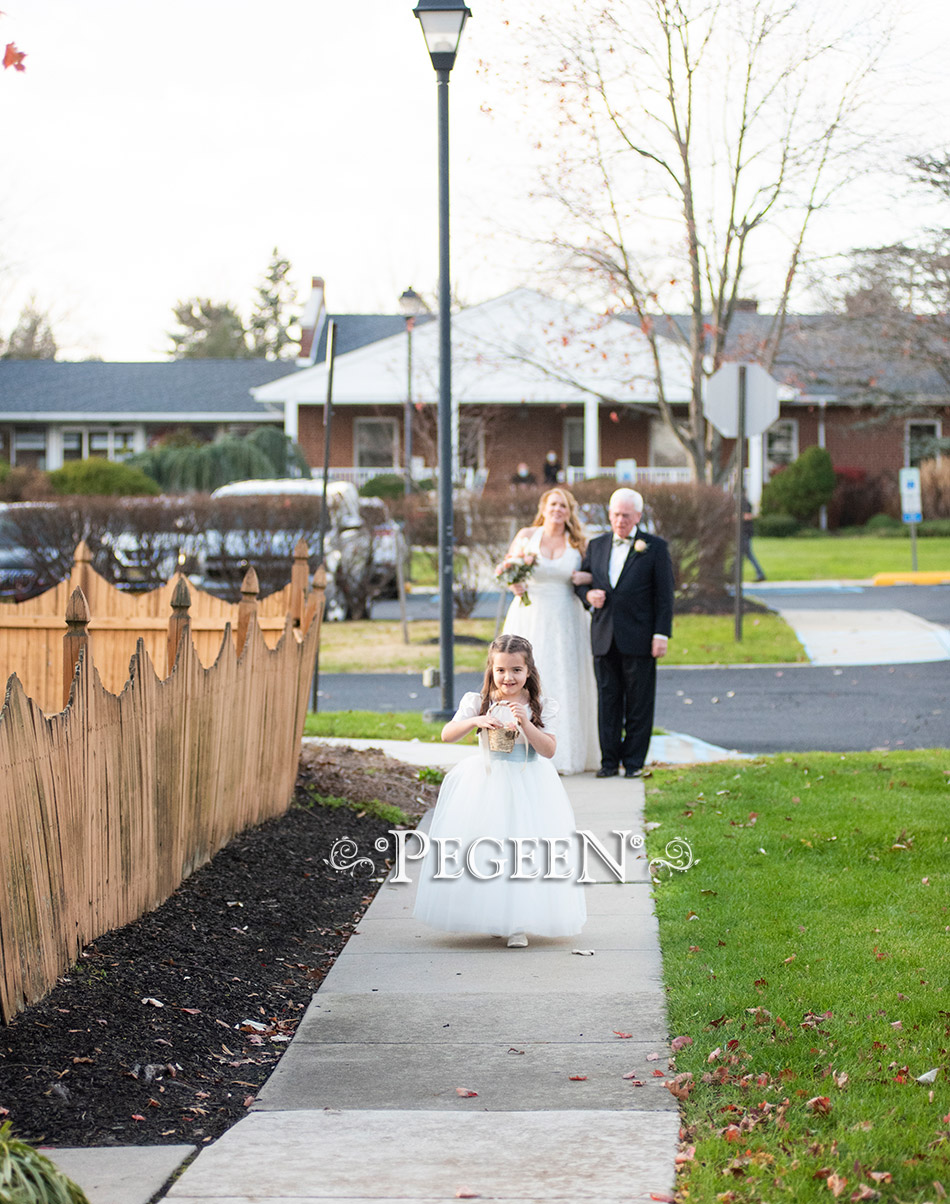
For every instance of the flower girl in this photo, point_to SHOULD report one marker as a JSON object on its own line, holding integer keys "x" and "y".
{"x": 502, "y": 852}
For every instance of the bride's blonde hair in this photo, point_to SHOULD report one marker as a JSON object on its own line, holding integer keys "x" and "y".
{"x": 573, "y": 526}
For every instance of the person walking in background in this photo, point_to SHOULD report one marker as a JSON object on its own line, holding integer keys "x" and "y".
{"x": 631, "y": 601}
{"x": 546, "y": 612}
{"x": 497, "y": 805}
{"x": 552, "y": 469}
{"x": 748, "y": 529}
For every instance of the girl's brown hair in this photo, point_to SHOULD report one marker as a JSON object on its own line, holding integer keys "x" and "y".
{"x": 516, "y": 645}
{"x": 573, "y": 526}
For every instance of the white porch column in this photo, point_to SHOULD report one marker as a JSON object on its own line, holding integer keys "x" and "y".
{"x": 54, "y": 447}
{"x": 291, "y": 419}
{"x": 591, "y": 437}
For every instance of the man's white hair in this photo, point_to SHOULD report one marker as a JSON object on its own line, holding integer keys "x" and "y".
{"x": 627, "y": 495}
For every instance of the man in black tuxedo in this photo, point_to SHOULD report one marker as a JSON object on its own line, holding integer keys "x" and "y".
{"x": 630, "y": 597}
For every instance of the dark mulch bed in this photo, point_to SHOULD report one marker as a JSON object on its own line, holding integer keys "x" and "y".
{"x": 147, "y": 1040}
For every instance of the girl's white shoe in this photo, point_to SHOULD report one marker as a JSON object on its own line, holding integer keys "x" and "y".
{"x": 517, "y": 940}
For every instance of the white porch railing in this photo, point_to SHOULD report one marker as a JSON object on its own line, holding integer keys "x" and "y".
{"x": 643, "y": 474}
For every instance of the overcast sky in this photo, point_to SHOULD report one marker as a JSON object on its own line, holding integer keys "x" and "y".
{"x": 158, "y": 151}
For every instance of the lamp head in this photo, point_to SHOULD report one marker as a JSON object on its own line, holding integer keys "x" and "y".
{"x": 442, "y": 24}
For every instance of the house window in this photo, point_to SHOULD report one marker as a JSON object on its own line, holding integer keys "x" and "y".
{"x": 376, "y": 442}
{"x": 574, "y": 442}
{"x": 72, "y": 446}
{"x": 29, "y": 447}
{"x": 781, "y": 444}
{"x": 920, "y": 442}
{"x": 79, "y": 443}
{"x": 122, "y": 444}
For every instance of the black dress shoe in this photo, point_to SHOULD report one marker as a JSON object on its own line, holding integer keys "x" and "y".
{"x": 633, "y": 773}
{"x": 606, "y": 773}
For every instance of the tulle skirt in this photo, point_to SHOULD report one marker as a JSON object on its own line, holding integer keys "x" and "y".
{"x": 507, "y": 824}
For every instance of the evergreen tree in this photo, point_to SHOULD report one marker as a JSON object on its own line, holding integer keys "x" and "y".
{"x": 209, "y": 330}
{"x": 271, "y": 318}
{"x": 32, "y": 337}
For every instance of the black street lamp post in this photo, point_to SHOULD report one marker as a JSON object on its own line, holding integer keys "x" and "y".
{"x": 411, "y": 305}
{"x": 442, "y": 23}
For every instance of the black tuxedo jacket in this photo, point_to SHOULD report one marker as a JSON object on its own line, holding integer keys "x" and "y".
{"x": 639, "y": 606}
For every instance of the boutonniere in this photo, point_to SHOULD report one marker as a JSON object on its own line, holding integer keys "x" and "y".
{"x": 640, "y": 545}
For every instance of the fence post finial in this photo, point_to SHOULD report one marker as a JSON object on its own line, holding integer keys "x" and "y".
{"x": 247, "y": 608}
{"x": 298, "y": 582}
{"x": 179, "y": 623}
{"x": 76, "y": 639}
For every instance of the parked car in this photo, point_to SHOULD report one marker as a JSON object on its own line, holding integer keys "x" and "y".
{"x": 389, "y": 547}
{"x": 228, "y": 550}
{"x": 24, "y": 571}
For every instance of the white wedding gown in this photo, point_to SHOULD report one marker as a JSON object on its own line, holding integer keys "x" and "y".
{"x": 558, "y": 627}
{"x": 498, "y": 799}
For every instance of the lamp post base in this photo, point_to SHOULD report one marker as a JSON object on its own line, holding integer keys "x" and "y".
{"x": 431, "y": 715}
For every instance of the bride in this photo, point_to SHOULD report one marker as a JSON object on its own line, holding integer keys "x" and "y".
{"x": 558, "y": 626}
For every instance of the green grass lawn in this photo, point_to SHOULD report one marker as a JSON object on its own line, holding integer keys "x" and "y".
{"x": 857, "y": 557}
{"x": 805, "y": 955}
{"x": 373, "y": 725}
{"x": 377, "y": 646}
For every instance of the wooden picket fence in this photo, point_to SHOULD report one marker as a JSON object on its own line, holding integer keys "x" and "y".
{"x": 108, "y": 804}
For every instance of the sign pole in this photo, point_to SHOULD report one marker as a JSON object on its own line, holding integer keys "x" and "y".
{"x": 740, "y": 461}
{"x": 324, "y": 507}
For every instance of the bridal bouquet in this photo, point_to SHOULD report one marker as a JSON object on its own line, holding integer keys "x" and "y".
{"x": 516, "y": 568}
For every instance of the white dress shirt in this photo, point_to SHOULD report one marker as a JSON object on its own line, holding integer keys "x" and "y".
{"x": 618, "y": 558}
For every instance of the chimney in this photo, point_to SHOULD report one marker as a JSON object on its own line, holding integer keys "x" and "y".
{"x": 311, "y": 323}
{"x": 747, "y": 305}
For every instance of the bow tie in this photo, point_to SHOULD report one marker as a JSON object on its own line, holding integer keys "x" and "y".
{"x": 622, "y": 541}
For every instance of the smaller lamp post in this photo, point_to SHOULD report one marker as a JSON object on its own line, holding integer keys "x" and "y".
{"x": 411, "y": 305}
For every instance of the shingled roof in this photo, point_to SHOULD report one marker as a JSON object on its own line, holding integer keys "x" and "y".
{"x": 197, "y": 389}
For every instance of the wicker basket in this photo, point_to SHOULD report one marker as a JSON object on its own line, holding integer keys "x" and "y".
{"x": 502, "y": 739}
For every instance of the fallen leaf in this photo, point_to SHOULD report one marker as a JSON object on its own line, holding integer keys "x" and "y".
{"x": 679, "y": 1043}
{"x": 658, "y": 1074}
{"x": 928, "y": 1076}
{"x": 819, "y": 1104}
{"x": 624, "y": 1036}
{"x": 880, "y": 1176}
{"x": 732, "y": 1133}
{"x": 863, "y": 1192}
{"x": 583, "y": 952}
{"x": 156, "y": 1003}
{"x": 662, "y": 1197}
{"x": 465, "y": 1093}
{"x": 836, "y": 1184}
{"x": 687, "y": 1154}
{"x": 137, "y": 1116}
{"x": 92, "y": 1062}
{"x": 192, "y": 1011}
{"x": 653, "y": 1057}
{"x": 465, "y": 1193}
{"x": 578, "y": 1078}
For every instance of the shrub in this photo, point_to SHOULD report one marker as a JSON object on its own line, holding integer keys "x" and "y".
{"x": 698, "y": 522}
{"x": 802, "y": 488}
{"x": 776, "y": 526}
{"x": 202, "y": 467}
{"x": 387, "y": 485}
{"x": 857, "y": 497}
{"x": 936, "y": 527}
{"x": 882, "y": 522}
{"x": 25, "y": 485}
{"x": 97, "y": 477}
{"x": 29, "y": 1177}
{"x": 935, "y": 487}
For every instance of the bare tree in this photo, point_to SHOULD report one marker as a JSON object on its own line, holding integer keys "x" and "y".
{"x": 695, "y": 140}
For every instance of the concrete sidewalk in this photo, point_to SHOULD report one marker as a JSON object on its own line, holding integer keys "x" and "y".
{"x": 364, "y": 1104}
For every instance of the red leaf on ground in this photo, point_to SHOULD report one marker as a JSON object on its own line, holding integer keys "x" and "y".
{"x": 465, "y": 1093}
{"x": 136, "y": 1116}
{"x": 465, "y": 1193}
{"x": 662, "y": 1197}
{"x": 658, "y": 1074}
{"x": 820, "y": 1104}
{"x": 622, "y": 1035}
{"x": 836, "y": 1184}
{"x": 578, "y": 1078}
{"x": 732, "y": 1133}
{"x": 679, "y": 1043}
